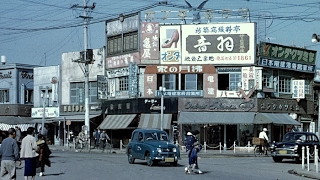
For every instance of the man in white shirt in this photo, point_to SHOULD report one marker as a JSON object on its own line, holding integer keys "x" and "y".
{"x": 263, "y": 135}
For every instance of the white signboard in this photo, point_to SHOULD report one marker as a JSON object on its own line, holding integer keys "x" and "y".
{"x": 225, "y": 43}
{"x": 297, "y": 89}
{"x": 248, "y": 77}
{"x": 51, "y": 112}
{"x": 170, "y": 45}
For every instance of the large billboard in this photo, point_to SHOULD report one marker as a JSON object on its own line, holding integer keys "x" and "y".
{"x": 227, "y": 43}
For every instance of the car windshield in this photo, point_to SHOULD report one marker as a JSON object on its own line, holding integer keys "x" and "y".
{"x": 294, "y": 137}
{"x": 156, "y": 136}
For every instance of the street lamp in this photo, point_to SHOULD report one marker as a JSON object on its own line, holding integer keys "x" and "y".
{"x": 315, "y": 38}
{"x": 44, "y": 108}
{"x": 162, "y": 90}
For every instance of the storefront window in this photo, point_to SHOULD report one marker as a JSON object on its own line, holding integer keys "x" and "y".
{"x": 4, "y": 95}
{"x": 169, "y": 81}
{"x": 229, "y": 81}
{"x": 267, "y": 78}
{"x": 284, "y": 84}
{"x": 77, "y": 95}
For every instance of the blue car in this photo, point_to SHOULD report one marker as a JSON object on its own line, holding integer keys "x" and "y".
{"x": 152, "y": 145}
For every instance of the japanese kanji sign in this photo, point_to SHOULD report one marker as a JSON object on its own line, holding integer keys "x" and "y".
{"x": 287, "y": 53}
{"x": 149, "y": 40}
{"x": 227, "y": 43}
{"x": 297, "y": 89}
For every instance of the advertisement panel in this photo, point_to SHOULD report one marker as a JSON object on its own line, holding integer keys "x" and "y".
{"x": 228, "y": 43}
{"x": 149, "y": 42}
{"x": 170, "y": 45}
{"x": 122, "y": 60}
{"x": 297, "y": 89}
{"x": 317, "y": 75}
{"x": 102, "y": 87}
{"x": 50, "y": 112}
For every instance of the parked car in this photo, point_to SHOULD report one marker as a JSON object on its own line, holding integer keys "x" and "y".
{"x": 291, "y": 146}
{"x": 152, "y": 145}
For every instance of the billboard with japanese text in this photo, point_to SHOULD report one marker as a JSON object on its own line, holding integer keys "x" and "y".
{"x": 227, "y": 43}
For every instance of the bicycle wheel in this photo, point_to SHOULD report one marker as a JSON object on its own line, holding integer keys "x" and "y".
{"x": 256, "y": 151}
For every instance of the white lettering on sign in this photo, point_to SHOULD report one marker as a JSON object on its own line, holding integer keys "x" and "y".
{"x": 173, "y": 69}
{"x": 162, "y": 68}
{"x": 211, "y": 91}
{"x": 202, "y": 44}
{"x": 211, "y": 78}
{"x": 150, "y": 78}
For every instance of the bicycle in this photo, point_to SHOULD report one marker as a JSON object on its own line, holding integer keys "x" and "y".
{"x": 106, "y": 145}
{"x": 265, "y": 147}
{"x": 82, "y": 144}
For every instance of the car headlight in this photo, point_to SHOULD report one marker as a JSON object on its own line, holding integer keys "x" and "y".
{"x": 174, "y": 149}
{"x": 295, "y": 147}
{"x": 159, "y": 150}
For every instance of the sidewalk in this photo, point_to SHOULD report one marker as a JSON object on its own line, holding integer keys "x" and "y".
{"x": 205, "y": 153}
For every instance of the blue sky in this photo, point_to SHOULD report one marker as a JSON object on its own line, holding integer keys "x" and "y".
{"x": 38, "y": 32}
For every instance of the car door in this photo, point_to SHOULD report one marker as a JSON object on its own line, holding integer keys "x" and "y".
{"x": 138, "y": 146}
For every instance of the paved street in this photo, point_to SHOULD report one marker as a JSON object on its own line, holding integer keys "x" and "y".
{"x": 72, "y": 165}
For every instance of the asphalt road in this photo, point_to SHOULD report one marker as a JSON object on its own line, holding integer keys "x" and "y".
{"x": 69, "y": 165}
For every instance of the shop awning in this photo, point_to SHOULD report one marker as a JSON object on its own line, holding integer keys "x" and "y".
{"x": 216, "y": 118}
{"x": 23, "y": 127}
{"x": 153, "y": 121}
{"x": 275, "y": 118}
{"x": 75, "y": 118}
{"x": 117, "y": 121}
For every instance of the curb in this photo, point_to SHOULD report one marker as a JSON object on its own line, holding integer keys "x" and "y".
{"x": 295, "y": 172}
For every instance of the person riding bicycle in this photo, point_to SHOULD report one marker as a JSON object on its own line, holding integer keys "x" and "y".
{"x": 82, "y": 137}
{"x": 103, "y": 139}
{"x": 263, "y": 135}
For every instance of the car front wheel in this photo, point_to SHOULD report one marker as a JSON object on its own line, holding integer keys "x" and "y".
{"x": 149, "y": 160}
{"x": 175, "y": 163}
{"x": 130, "y": 157}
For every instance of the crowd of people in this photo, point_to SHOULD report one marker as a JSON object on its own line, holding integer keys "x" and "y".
{"x": 15, "y": 148}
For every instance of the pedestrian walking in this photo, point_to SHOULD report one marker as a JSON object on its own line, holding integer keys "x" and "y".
{"x": 96, "y": 136}
{"x": 193, "y": 159}
{"x": 9, "y": 152}
{"x": 29, "y": 154}
{"x": 44, "y": 153}
{"x": 190, "y": 140}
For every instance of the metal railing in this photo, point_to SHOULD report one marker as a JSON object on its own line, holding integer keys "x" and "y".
{"x": 315, "y": 154}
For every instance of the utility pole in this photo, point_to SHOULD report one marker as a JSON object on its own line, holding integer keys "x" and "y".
{"x": 86, "y": 59}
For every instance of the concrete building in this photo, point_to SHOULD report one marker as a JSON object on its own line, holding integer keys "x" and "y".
{"x": 16, "y": 94}
{"x": 218, "y": 80}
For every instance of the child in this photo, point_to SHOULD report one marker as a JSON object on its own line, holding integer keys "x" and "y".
{"x": 193, "y": 158}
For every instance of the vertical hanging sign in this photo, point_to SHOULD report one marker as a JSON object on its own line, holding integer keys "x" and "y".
{"x": 149, "y": 42}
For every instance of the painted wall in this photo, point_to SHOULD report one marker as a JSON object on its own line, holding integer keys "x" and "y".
{"x": 73, "y": 72}
{"x": 42, "y": 78}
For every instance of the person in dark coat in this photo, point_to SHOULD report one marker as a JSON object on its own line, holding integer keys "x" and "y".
{"x": 190, "y": 140}
{"x": 44, "y": 153}
{"x": 193, "y": 159}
